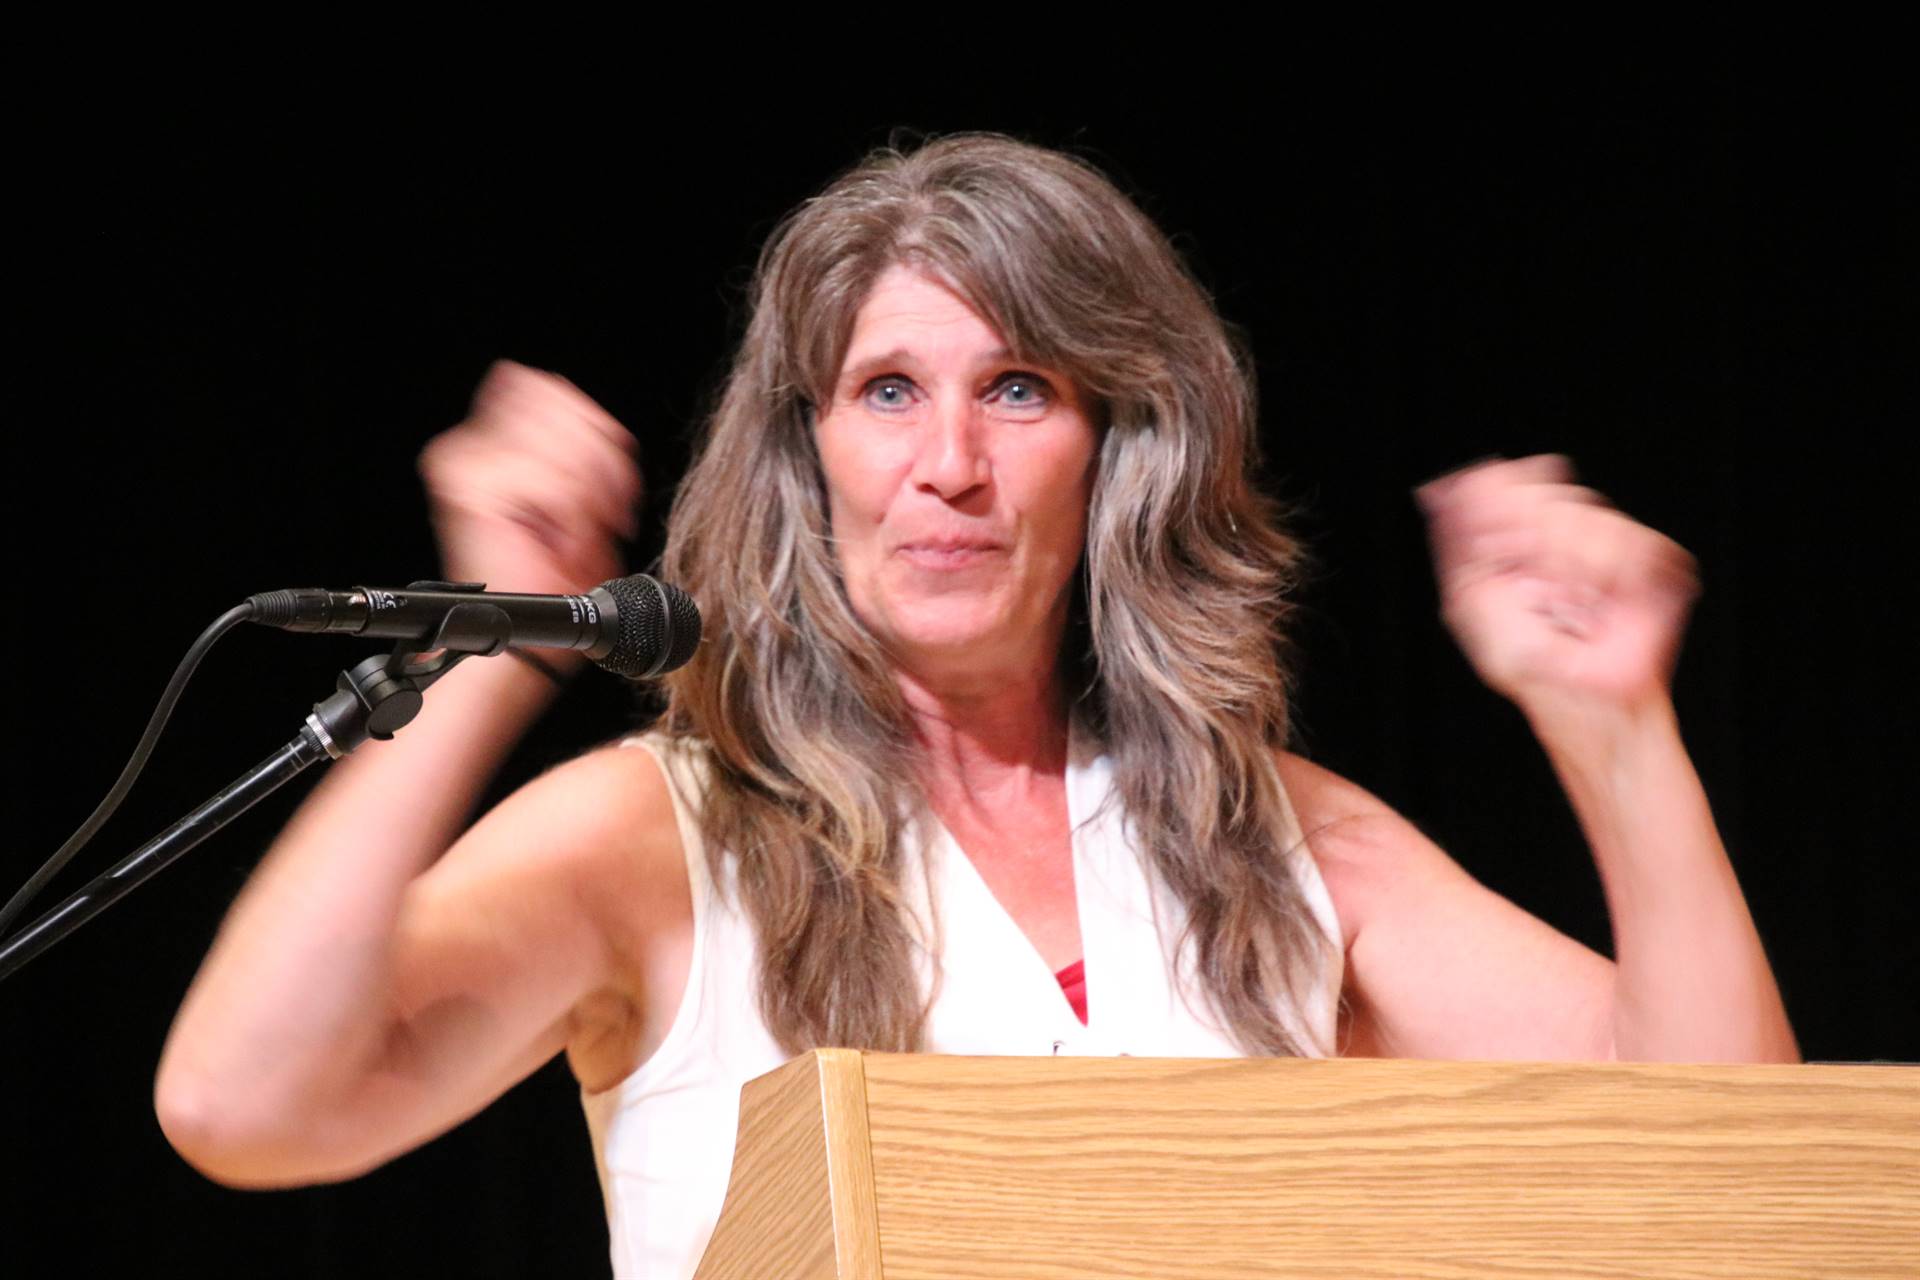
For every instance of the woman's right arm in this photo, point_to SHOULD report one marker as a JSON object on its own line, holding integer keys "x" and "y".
{"x": 366, "y": 992}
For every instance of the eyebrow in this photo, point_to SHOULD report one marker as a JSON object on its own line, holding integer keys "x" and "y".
{"x": 859, "y": 371}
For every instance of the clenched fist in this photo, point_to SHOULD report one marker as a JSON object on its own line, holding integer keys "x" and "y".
{"x": 1551, "y": 592}
{"x": 535, "y": 490}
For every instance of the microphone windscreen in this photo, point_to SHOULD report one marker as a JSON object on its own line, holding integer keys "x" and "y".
{"x": 659, "y": 627}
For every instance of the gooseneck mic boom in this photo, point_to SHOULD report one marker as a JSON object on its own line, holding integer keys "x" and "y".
{"x": 635, "y": 626}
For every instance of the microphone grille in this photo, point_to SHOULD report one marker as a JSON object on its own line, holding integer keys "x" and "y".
{"x": 659, "y": 627}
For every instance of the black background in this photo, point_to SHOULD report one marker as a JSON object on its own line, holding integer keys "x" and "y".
{"x": 239, "y": 325}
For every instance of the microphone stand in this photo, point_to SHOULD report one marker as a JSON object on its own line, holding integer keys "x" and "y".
{"x": 374, "y": 699}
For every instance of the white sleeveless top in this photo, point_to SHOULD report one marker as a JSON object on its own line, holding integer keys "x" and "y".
{"x": 663, "y": 1137}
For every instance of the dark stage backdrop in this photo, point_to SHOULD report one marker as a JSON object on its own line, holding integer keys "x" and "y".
{"x": 240, "y": 327}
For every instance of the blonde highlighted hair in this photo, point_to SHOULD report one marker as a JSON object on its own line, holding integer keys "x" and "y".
{"x": 1175, "y": 654}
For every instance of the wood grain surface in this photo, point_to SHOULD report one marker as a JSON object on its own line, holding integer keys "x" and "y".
{"x": 800, "y": 1199}
{"x": 780, "y": 1168}
{"x": 856, "y": 1220}
{"x": 1128, "y": 1167}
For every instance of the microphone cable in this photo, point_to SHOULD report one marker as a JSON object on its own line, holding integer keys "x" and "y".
{"x": 144, "y": 748}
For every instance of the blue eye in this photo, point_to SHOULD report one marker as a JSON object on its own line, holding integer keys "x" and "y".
{"x": 889, "y": 392}
{"x": 1024, "y": 390}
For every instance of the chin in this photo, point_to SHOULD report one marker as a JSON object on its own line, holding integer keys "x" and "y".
{"x": 948, "y": 625}
{"x": 958, "y": 635}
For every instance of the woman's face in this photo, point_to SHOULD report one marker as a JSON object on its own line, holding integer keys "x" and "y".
{"x": 958, "y": 481}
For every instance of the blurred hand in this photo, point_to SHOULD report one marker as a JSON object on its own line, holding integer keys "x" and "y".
{"x": 1550, "y": 591}
{"x": 535, "y": 490}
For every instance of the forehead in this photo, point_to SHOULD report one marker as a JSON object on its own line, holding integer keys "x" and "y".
{"x": 911, "y": 314}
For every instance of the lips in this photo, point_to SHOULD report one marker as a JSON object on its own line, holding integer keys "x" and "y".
{"x": 949, "y": 553}
{"x": 950, "y": 544}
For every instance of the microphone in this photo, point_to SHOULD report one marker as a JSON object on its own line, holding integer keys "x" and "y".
{"x": 635, "y": 626}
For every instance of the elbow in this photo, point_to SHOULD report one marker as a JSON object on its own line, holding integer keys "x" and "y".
{"x": 200, "y": 1131}
{"x": 193, "y": 1117}
{"x": 207, "y": 1134}
{"x": 214, "y": 1134}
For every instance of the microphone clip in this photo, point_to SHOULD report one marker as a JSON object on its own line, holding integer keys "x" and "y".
{"x": 468, "y": 629}
{"x": 379, "y": 696}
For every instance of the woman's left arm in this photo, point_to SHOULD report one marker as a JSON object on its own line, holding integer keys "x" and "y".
{"x": 1575, "y": 612}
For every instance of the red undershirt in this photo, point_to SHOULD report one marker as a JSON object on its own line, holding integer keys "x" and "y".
{"x": 1073, "y": 983}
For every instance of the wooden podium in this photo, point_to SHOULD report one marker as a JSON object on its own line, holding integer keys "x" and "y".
{"x": 855, "y": 1164}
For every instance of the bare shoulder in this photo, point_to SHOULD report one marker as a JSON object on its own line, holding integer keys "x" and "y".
{"x": 1322, "y": 798}
{"x": 1365, "y": 850}
{"x": 599, "y": 823}
{"x": 634, "y": 870}
{"x": 611, "y": 809}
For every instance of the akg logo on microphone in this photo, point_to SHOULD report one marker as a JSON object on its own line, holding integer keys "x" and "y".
{"x": 378, "y": 600}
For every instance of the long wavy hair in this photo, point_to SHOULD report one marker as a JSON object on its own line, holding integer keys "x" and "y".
{"x": 1176, "y": 653}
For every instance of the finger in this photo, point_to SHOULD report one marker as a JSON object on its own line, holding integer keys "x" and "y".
{"x": 610, "y": 491}
{"x": 608, "y": 478}
{"x": 1474, "y": 481}
{"x": 1662, "y": 566}
{"x": 517, "y": 396}
{"x": 1581, "y": 551}
{"x": 1466, "y": 550}
{"x": 444, "y": 459}
{"x": 1597, "y": 554}
{"x": 465, "y": 469}
{"x": 539, "y": 414}
{"x": 537, "y": 498}
{"x": 1577, "y": 493}
{"x": 604, "y": 475}
{"x": 1464, "y": 530}
{"x": 496, "y": 381}
{"x": 1565, "y": 533}
{"x": 596, "y": 509}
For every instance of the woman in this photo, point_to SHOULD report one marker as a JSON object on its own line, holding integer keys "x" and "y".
{"x": 990, "y": 688}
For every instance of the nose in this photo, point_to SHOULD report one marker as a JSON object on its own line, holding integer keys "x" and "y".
{"x": 952, "y": 459}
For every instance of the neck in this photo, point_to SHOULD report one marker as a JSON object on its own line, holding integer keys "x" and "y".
{"x": 988, "y": 744}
